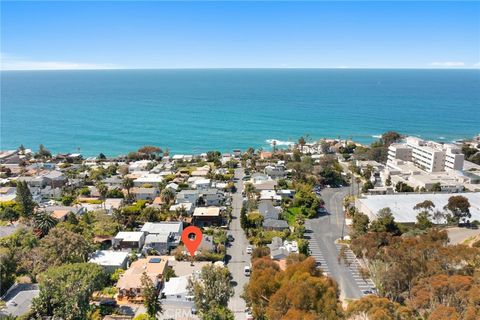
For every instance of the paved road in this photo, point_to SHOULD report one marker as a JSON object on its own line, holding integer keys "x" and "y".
{"x": 459, "y": 235}
{"x": 238, "y": 259}
{"x": 322, "y": 233}
{"x": 19, "y": 300}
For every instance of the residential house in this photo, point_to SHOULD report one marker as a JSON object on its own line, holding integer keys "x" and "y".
{"x": 61, "y": 212}
{"x": 267, "y": 210}
{"x": 151, "y": 179}
{"x": 113, "y": 182}
{"x": 55, "y": 179}
{"x": 202, "y": 184}
{"x": 270, "y": 195}
{"x": 185, "y": 196}
{"x": 144, "y": 193}
{"x": 110, "y": 260}
{"x": 172, "y": 186}
{"x": 211, "y": 197}
{"x": 275, "y": 224}
{"x": 176, "y": 289}
{"x": 201, "y": 172}
{"x": 129, "y": 240}
{"x": 275, "y": 171}
{"x": 162, "y": 236}
{"x": 130, "y": 283}
{"x": 206, "y": 216}
{"x": 138, "y": 165}
{"x": 7, "y": 194}
{"x": 35, "y": 181}
{"x": 188, "y": 207}
{"x": 281, "y": 249}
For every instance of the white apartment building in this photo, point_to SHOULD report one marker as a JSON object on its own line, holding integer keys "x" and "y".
{"x": 428, "y": 155}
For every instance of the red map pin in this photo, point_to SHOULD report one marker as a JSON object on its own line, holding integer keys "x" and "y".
{"x": 191, "y": 237}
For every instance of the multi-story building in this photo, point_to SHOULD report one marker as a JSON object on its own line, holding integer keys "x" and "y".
{"x": 428, "y": 155}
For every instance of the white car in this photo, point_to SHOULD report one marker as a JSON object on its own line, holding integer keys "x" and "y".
{"x": 249, "y": 316}
{"x": 247, "y": 271}
{"x": 249, "y": 249}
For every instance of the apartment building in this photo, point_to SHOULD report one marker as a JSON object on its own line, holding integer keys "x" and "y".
{"x": 427, "y": 155}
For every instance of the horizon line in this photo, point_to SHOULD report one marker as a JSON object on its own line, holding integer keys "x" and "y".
{"x": 252, "y": 68}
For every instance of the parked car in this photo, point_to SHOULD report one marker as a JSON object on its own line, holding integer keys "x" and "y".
{"x": 249, "y": 249}
{"x": 230, "y": 238}
{"x": 247, "y": 271}
{"x": 249, "y": 316}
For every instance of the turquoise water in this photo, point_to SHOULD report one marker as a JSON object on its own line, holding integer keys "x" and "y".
{"x": 116, "y": 111}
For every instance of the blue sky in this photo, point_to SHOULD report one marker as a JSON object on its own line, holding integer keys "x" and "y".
{"x": 73, "y": 35}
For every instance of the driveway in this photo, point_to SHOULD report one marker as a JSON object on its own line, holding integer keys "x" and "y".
{"x": 19, "y": 299}
{"x": 321, "y": 232}
{"x": 237, "y": 258}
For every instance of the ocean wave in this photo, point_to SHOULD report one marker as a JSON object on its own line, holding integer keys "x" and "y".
{"x": 441, "y": 138}
{"x": 376, "y": 136}
{"x": 279, "y": 142}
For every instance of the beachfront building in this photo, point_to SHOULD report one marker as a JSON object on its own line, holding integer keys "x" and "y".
{"x": 427, "y": 155}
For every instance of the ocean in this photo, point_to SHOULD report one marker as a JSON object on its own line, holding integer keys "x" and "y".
{"x": 193, "y": 111}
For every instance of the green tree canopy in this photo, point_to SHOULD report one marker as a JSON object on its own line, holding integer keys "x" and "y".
{"x": 65, "y": 290}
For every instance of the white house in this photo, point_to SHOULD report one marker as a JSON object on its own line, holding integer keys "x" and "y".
{"x": 176, "y": 289}
{"x": 129, "y": 240}
{"x": 110, "y": 260}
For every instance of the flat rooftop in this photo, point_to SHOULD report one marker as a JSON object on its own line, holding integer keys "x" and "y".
{"x": 402, "y": 204}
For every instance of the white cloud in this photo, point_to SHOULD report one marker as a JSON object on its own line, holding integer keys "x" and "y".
{"x": 476, "y": 65}
{"x": 8, "y": 62}
{"x": 448, "y": 64}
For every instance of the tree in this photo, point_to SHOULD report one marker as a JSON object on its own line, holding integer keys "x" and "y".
{"x": 212, "y": 289}
{"x": 43, "y": 222}
{"x": 43, "y": 152}
{"x": 218, "y": 313}
{"x": 299, "y": 292}
{"x": 65, "y": 291}
{"x": 453, "y": 291}
{"x": 127, "y": 183}
{"x": 103, "y": 190}
{"x": 385, "y": 222}
{"x": 150, "y": 297}
{"x": 360, "y": 223}
{"x": 151, "y": 151}
{"x": 388, "y": 182}
{"x": 59, "y": 246}
{"x": 423, "y": 220}
{"x": 24, "y": 200}
{"x": 459, "y": 207}
{"x": 167, "y": 195}
{"x": 301, "y": 143}
{"x": 423, "y": 217}
{"x": 377, "y": 308}
{"x": 436, "y": 187}
{"x": 403, "y": 187}
{"x": 367, "y": 186}
{"x": 9, "y": 213}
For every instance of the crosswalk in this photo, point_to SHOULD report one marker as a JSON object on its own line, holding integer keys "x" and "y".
{"x": 366, "y": 286}
{"x": 315, "y": 251}
{"x": 354, "y": 266}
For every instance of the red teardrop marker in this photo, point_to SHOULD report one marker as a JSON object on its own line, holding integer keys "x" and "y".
{"x": 192, "y": 242}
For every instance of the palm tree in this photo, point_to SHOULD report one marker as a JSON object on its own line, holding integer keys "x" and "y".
{"x": 43, "y": 222}
{"x": 302, "y": 143}
{"x": 128, "y": 184}
{"x": 167, "y": 195}
{"x": 103, "y": 190}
